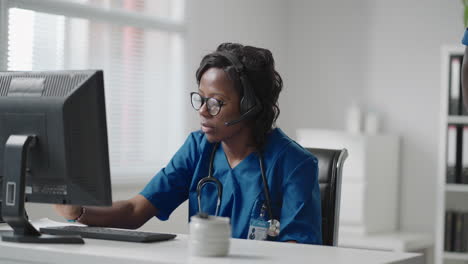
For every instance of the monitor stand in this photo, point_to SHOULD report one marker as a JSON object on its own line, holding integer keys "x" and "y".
{"x": 13, "y": 212}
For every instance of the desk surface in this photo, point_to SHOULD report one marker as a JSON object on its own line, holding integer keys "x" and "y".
{"x": 394, "y": 241}
{"x": 176, "y": 251}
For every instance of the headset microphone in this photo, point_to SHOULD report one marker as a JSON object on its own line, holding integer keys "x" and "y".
{"x": 233, "y": 122}
{"x": 251, "y": 112}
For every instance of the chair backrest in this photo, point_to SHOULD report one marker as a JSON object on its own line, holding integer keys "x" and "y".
{"x": 330, "y": 168}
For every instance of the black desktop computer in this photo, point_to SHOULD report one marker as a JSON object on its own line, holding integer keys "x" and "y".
{"x": 53, "y": 145}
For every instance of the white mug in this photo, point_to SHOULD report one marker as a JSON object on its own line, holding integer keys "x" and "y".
{"x": 209, "y": 236}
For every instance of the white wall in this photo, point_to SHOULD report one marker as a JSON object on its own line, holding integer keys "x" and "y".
{"x": 404, "y": 82}
{"x": 326, "y": 55}
{"x": 210, "y": 22}
{"x": 387, "y": 55}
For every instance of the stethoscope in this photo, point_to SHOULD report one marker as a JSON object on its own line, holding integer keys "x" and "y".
{"x": 274, "y": 228}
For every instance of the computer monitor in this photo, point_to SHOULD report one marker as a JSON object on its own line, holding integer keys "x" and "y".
{"x": 53, "y": 144}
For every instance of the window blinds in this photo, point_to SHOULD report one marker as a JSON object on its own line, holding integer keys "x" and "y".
{"x": 143, "y": 68}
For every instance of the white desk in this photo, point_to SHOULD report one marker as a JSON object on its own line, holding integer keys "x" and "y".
{"x": 391, "y": 241}
{"x": 176, "y": 251}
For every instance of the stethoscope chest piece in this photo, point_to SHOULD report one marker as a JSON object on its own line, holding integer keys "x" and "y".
{"x": 274, "y": 228}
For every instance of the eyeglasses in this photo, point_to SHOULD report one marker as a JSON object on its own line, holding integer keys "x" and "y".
{"x": 213, "y": 104}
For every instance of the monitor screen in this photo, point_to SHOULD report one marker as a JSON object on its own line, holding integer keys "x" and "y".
{"x": 53, "y": 134}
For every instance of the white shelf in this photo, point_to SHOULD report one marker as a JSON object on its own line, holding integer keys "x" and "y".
{"x": 455, "y": 256}
{"x": 444, "y": 189}
{"x": 462, "y": 120}
{"x": 454, "y": 187}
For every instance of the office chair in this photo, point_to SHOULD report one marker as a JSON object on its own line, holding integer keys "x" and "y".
{"x": 330, "y": 165}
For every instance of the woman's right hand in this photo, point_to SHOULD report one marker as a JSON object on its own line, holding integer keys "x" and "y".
{"x": 69, "y": 212}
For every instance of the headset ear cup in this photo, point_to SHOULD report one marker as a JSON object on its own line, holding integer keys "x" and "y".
{"x": 249, "y": 100}
{"x": 249, "y": 109}
{"x": 245, "y": 105}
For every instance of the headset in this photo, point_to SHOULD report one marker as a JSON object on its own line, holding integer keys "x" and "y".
{"x": 250, "y": 106}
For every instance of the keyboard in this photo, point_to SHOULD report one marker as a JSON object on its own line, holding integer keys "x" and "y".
{"x": 107, "y": 233}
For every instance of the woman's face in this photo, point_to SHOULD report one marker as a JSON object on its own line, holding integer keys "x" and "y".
{"x": 215, "y": 83}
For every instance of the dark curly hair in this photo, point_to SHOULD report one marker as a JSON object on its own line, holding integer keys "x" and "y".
{"x": 259, "y": 67}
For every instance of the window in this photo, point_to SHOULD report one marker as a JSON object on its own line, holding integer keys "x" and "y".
{"x": 142, "y": 58}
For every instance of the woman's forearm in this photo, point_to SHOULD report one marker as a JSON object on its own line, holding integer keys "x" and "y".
{"x": 131, "y": 213}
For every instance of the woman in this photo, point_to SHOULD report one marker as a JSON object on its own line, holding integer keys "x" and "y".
{"x": 237, "y": 100}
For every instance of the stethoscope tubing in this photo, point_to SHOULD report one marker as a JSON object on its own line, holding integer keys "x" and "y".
{"x": 219, "y": 185}
{"x": 265, "y": 186}
{"x": 210, "y": 179}
{"x": 274, "y": 228}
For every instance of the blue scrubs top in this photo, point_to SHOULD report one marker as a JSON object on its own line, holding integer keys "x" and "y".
{"x": 465, "y": 38}
{"x": 291, "y": 172}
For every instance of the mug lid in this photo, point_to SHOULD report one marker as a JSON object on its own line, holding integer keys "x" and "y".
{"x": 209, "y": 219}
